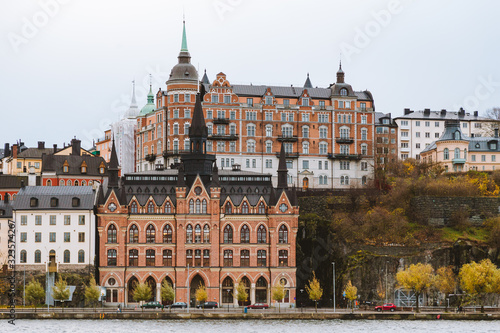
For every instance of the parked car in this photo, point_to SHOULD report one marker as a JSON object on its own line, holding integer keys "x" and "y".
{"x": 386, "y": 307}
{"x": 208, "y": 305}
{"x": 152, "y": 305}
{"x": 258, "y": 306}
{"x": 181, "y": 305}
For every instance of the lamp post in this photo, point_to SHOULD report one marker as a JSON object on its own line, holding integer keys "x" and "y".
{"x": 386, "y": 281}
{"x": 24, "y": 286}
{"x": 333, "y": 263}
{"x": 188, "y": 292}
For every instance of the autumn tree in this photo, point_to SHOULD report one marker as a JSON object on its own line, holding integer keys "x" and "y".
{"x": 142, "y": 292}
{"x": 167, "y": 292}
{"x": 446, "y": 282}
{"x": 60, "y": 291}
{"x": 278, "y": 293}
{"x": 351, "y": 293}
{"x": 314, "y": 291}
{"x": 241, "y": 293}
{"x": 480, "y": 279}
{"x": 92, "y": 292}
{"x": 417, "y": 278}
{"x": 35, "y": 293}
{"x": 201, "y": 294}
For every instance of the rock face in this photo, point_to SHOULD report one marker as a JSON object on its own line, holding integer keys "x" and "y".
{"x": 439, "y": 211}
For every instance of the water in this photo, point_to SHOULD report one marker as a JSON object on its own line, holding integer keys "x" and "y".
{"x": 249, "y": 326}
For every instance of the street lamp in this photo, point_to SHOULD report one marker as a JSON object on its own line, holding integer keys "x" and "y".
{"x": 386, "y": 281}
{"x": 333, "y": 263}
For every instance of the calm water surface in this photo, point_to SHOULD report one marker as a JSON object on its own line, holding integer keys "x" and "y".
{"x": 248, "y": 326}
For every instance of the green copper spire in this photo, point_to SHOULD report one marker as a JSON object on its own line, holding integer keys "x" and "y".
{"x": 184, "y": 46}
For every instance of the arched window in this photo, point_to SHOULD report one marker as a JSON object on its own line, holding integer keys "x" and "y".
{"x": 191, "y": 206}
{"x": 457, "y": 135}
{"x": 465, "y": 154}
{"x": 133, "y": 208}
{"x": 61, "y": 182}
{"x": 197, "y": 234}
{"x": 206, "y": 234}
{"x": 262, "y": 208}
{"x": 49, "y": 182}
{"x": 229, "y": 208}
{"x": 81, "y": 257}
{"x": 22, "y": 258}
{"x": 245, "y": 234}
{"x": 76, "y": 183}
{"x": 227, "y": 290}
{"x": 133, "y": 234}
{"x": 167, "y": 257}
{"x": 343, "y": 92}
{"x": 344, "y": 180}
{"x": 133, "y": 257}
{"x": 38, "y": 256}
{"x": 457, "y": 152}
{"x": 261, "y": 258}
{"x": 167, "y": 234}
{"x": 283, "y": 234}
{"x": 244, "y": 208}
{"x": 66, "y": 257}
{"x": 283, "y": 257}
{"x": 112, "y": 257}
{"x": 204, "y": 206}
{"x": 198, "y": 206}
{"x": 151, "y": 207}
{"x": 168, "y": 208}
{"x": 228, "y": 258}
{"x": 446, "y": 154}
{"x": 228, "y": 234}
{"x": 150, "y": 234}
{"x": 261, "y": 234}
{"x": 112, "y": 234}
{"x": 189, "y": 233}
{"x": 68, "y": 183}
{"x": 84, "y": 183}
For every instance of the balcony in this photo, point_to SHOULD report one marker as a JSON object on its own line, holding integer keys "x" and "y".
{"x": 221, "y": 121}
{"x": 458, "y": 161}
{"x": 150, "y": 157}
{"x": 175, "y": 152}
{"x": 344, "y": 156}
{"x": 230, "y": 137}
{"x": 344, "y": 139}
{"x": 287, "y": 138}
{"x": 289, "y": 155}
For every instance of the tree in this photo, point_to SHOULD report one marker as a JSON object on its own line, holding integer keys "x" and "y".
{"x": 92, "y": 292}
{"x": 142, "y": 292}
{"x": 201, "y": 294}
{"x": 314, "y": 291}
{"x": 60, "y": 291}
{"x": 167, "y": 292}
{"x": 242, "y": 294}
{"x": 351, "y": 293}
{"x": 480, "y": 279}
{"x": 35, "y": 293}
{"x": 278, "y": 293}
{"x": 446, "y": 282}
{"x": 417, "y": 278}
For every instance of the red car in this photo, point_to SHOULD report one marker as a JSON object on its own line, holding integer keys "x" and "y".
{"x": 386, "y": 307}
{"x": 258, "y": 306}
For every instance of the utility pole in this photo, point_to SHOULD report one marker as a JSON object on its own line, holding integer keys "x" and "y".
{"x": 333, "y": 263}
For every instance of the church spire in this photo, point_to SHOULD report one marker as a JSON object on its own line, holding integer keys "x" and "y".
{"x": 133, "y": 103}
{"x": 184, "y": 45}
{"x": 198, "y": 129}
{"x": 151, "y": 96}
{"x": 340, "y": 74}
{"x": 282, "y": 169}
{"x": 308, "y": 83}
{"x": 113, "y": 167}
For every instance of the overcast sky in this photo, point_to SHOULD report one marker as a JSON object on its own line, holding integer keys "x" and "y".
{"x": 66, "y": 66}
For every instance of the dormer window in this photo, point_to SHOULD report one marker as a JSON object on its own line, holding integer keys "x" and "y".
{"x": 75, "y": 202}
{"x": 33, "y": 202}
{"x": 269, "y": 100}
{"x": 66, "y": 167}
{"x": 457, "y": 135}
{"x": 54, "y": 202}
{"x": 102, "y": 168}
{"x": 305, "y": 101}
{"x": 83, "y": 167}
{"x": 343, "y": 92}
{"x": 493, "y": 145}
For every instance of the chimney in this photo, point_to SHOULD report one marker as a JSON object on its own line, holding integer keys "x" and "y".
{"x": 75, "y": 147}
{"x": 22, "y": 183}
{"x": 496, "y": 132}
{"x": 476, "y": 113}
{"x": 14, "y": 151}
{"x": 41, "y": 145}
{"x": 461, "y": 112}
{"x": 427, "y": 112}
{"x": 443, "y": 112}
{"x": 55, "y": 148}
{"x": 6, "y": 151}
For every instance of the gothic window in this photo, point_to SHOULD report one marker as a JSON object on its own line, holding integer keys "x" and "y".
{"x": 112, "y": 234}
{"x": 133, "y": 234}
{"x": 228, "y": 234}
{"x": 112, "y": 257}
{"x": 283, "y": 234}
{"x": 150, "y": 234}
{"x": 245, "y": 234}
{"x": 189, "y": 233}
{"x": 261, "y": 234}
{"x": 167, "y": 234}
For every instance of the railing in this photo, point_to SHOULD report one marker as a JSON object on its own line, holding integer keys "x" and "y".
{"x": 289, "y": 155}
{"x": 287, "y": 138}
{"x": 221, "y": 121}
{"x": 344, "y": 156}
{"x": 174, "y": 152}
{"x": 223, "y": 137}
{"x": 150, "y": 157}
{"x": 344, "y": 139}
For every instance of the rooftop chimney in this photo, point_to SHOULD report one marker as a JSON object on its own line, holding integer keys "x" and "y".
{"x": 75, "y": 147}
{"x": 55, "y": 148}
{"x": 407, "y": 111}
{"x": 427, "y": 112}
{"x": 14, "y": 151}
{"x": 443, "y": 112}
{"x": 476, "y": 113}
{"x": 6, "y": 151}
{"x": 41, "y": 145}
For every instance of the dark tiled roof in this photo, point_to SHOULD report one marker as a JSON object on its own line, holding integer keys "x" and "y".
{"x": 438, "y": 115}
{"x": 292, "y": 92}
{"x": 65, "y": 194}
{"x": 35, "y": 152}
{"x": 9, "y": 181}
{"x": 54, "y": 163}
{"x": 5, "y": 210}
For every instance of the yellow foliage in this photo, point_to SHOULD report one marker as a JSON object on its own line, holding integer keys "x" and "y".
{"x": 445, "y": 280}
{"x": 351, "y": 292}
{"x": 480, "y": 278}
{"x": 417, "y": 277}
{"x": 314, "y": 289}
{"x": 201, "y": 293}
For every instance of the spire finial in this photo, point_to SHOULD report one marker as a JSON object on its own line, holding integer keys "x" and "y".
{"x": 184, "y": 47}
{"x": 133, "y": 102}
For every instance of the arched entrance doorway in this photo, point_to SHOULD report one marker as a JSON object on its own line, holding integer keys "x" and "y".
{"x": 169, "y": 281}
{"x": 261, "y": 290}
{"x": 284, "y": 282}
{"x": 228, "y": 291}
{"x": 305, "y": 183}
{"x": 246, "y": 282}
{"x": 132, "y": 283}
{"x": 196, "y": 282}
{"x": 150, "y": 281}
